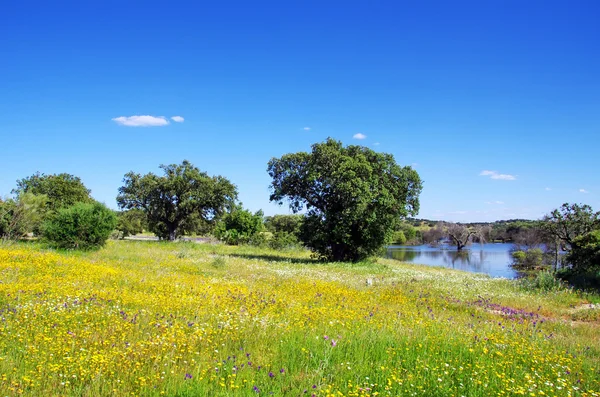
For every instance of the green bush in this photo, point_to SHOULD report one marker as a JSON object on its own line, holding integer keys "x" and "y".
{"x": 284, "y": 240}
{"x": 544, "y": 280}
{"x": 529, "y": 259}
{"x": 399, "y": 238}
{"x": 239, "y": 226}
{"x": 585, "y": 253}
{"x": 81, "y": 226}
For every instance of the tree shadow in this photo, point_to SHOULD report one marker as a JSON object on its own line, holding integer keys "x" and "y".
{"x": 275, "y": 258}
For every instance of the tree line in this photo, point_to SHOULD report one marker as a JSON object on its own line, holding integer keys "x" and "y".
{"x": 348, "y": 202}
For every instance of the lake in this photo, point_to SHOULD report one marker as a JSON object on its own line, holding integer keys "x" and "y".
{"x": 493, "y": 259}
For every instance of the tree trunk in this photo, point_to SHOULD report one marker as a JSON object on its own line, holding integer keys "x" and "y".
{"x": 172, "y": 232}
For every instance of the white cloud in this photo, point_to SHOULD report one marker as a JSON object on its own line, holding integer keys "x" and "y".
{"x": 495, "y": 202}
{"x": 376, "y": 144}
{"x": 496, "y": 175}
{"x": 177, "y": 119}
{"x": 547, "y": 189}
{"x": 359, "y": 136}
{"x": 583, "y": 191}
{"x": 306, "y": 128}
{"x": 141, "y": 121}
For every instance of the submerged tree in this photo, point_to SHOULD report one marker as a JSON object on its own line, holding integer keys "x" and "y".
{"x": 354, "y": 197}
{"x": 171, "y": 200}
{"x": 460, "y": 235}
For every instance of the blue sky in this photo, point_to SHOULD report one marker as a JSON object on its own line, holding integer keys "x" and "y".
{"x": 495, "y": 103}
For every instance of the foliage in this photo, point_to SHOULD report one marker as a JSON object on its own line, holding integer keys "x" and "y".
{"x": 131, "y": 222}
{"x": 81, "y": 226}
{"x": 171, "y": 201}
{"x": 62, "y": 190}
{"x": 284, "y": 240}
{"x": 354, "y": 197}
{"x": 571, "y": 221}
{"x": 21, "y": 216}
{"x": 544, "y": 280}
{"x": 528, "y": 259}
{"x": 284, "y": 223}
{"x": 585, "y": 252}
{"x": 137, "y": 319}
{"x": 585, "y": 281}
{"x": 399, "y": 237}
{"x": 409, "y": 231}
{"x": 240, "y": 226}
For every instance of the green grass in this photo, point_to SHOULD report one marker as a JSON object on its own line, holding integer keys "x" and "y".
{"x": 186, "y": 319}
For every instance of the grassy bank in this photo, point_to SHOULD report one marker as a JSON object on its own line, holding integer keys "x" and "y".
{"x": 185, "y": 319}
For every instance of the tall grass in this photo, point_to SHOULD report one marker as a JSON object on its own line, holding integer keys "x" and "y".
{"x": 185, "y": 319}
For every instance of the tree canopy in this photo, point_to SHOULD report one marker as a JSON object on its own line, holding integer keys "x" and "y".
{"x": 354, "y": 197}
{"x": 171, "y": 200}
{"x": 571, "y": 221}
{"x": 62, "y": 190}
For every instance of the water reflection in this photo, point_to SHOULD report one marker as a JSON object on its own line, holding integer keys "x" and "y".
{"x": 493, "y": 259}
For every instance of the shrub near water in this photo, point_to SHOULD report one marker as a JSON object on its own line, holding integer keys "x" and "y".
{"x": 82, "y": 226}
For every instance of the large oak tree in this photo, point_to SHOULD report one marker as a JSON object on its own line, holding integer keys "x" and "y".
{"x": 354, "y": 197}
{"x": 181, "y": 195}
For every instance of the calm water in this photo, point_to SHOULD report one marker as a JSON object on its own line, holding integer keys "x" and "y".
{"x": 493, "y": 259}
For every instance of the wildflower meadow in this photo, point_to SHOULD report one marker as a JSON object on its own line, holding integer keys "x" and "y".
{"x": 186, "y": 319}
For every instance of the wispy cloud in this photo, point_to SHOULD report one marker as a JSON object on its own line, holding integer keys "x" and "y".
{"x": 495, "y": 202}
{"x": 307, "y": 128}
{"x": 457, "y": 212}
{"x": 583, "y": 191}
{"x": 376, "y": 144}
{"x": 177, "y": 119}
{"x": 141, "y": 121}
{"x": 547, "y": 189}
{"x": 497, "y": 175}
{"x": 359, "y": 136}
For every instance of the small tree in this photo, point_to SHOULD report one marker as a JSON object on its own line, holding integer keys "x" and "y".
{"x": 239, "y": 226}
{"x": 585, "y": 255}
{"x": 171, "y": 201}
{"x": 354, "y": 197}
{"x": 130, "y": 222}
{"x": 61, "y": 190}
{"x": 81, "y": 226}
{"x": 460, "y": 235}
{"x": 571, "y": 221}
{"x": 21, "y": 216}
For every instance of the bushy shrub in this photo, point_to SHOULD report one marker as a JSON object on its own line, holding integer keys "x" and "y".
{"x": 585, "y": 252}
{"x": 284, "y": 240}
{"x": 239, "y": 226}
{"x": 81, "y": 226}
{"x": 22, "y": 215}
{"x": 529, "y": 259}
{"x": 399, "y": 238}
{"x": 131, "y": 222}
{"x": 544, "y": 281}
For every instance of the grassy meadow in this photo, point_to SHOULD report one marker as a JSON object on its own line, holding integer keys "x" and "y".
{"x": 186, "y": 319}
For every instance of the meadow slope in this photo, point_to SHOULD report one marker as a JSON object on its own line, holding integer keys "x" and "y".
{"x": 186, "y": 319}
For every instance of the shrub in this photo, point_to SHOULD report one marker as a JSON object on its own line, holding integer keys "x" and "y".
{"x": 284, "y": 240}
{"x": 399, "y": 237}
{"x": 239, "y": 226}
{"x": 528, "y": 259}
{"x": 544, "y": 281}
{"x": 585, "y": 252}
{"x": 131, "y": 222}
{"x": 81, "y": 226}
